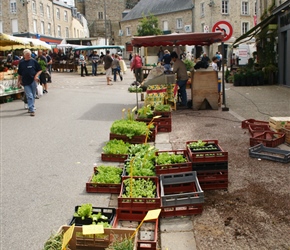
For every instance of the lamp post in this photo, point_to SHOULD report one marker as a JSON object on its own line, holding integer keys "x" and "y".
{"x": 105, "y": 13}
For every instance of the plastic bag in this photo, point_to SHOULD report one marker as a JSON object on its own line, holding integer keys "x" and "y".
{"x": 39, "y": 90}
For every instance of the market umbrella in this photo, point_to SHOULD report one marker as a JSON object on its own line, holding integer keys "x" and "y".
{"x": 8, "y": 42}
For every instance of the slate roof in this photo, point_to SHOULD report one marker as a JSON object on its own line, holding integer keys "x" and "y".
{"x": 157, "y": 7}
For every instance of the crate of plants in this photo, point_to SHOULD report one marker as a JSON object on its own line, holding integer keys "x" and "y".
{"x": 172, "y": 161}
{"x": 206, "y": 151}
{"x": 258, "y": 129}
{"x": 246, "y": 123}
{"x": 105, "y": 179}
{"x": 111, "y": 239}
{"x": 180, "y": 189}
{"x": 139, "y": 166}
{"x": 147, "y": 235}
{"x": 86, "y": 214}
{"x": 184, "y": 210}
{"x": 162, "y": 109}
{"x": 139, "y": 193}
{"x": 268, "y": 139}
{"x": 213, "y": 179}
{"x": 115, "y": 151}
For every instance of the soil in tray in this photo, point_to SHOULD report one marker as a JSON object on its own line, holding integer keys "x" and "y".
{"x": 208, "y": 147}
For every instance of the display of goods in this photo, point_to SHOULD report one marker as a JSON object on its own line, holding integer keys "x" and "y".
{"x": 86, "y": 214}
{"x": 278, "y": 123}
{"x": 164, "y": 124}
{"x": 246, "y": 123}
{"x": 115, "y": 151}
{"x": 268, "y": 139}
{"x": 258, "y": 129}
{"x": 141, "y": 166}
{"x": 213, "y": 179}
{"x": 180, "y": 189}
{"x": 172, "y": 161}
{"x": 206, "y": 151}
{"x": 163, "y": 110}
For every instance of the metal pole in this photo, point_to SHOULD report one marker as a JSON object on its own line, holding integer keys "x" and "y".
{"x": 223, "y": 79}
{"x": 105, "y": 13}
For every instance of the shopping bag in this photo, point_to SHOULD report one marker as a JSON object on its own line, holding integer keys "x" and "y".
{"x": 39, "y": 90}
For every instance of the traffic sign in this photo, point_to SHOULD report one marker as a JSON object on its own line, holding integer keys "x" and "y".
{"x": 224, "y": 27}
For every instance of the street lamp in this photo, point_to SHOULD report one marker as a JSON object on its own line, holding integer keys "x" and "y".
{"x": 105, "y": 13}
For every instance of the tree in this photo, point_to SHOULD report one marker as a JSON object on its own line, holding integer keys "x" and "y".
{"x": 148, "y": 26}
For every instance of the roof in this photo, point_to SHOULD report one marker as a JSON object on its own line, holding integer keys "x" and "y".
{"x": 176, "y": 39}
{"x": 146, "y": 7}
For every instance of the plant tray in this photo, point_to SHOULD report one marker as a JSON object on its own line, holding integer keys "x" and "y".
{"x": 272, "y": 154}
{"x": 185, "y": 210}
{"x": 147, "y": 234}
{"x": 163, "y": 123}
{"x": 268, "y": 139}
{"x": 144, "y": 204}
{"x": 205, "y": 166}
{"x": 113, "y": 157}
{"x": 137, "y": 139}
{"x": 286, "y": 131}
{"x": 213, "y": 180}
{"x": 176, "y": 167}
{"x": 197, "y": 156}
{"x": 180, "y": 189}
{"x": 162, "y": 113}
{"x": 95, "y": 241}
{"x": 258, "y": 129}
{"x": 108, "y": 212}
{"x": 102, "y": 187}
{"x": 125, "y": 175}
{"x": 153, "y": 134}
{"x": 246, "y": 123}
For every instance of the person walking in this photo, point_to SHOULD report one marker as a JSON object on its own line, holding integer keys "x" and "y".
{"x": 180, "y": 69}
{"x": 49, "y": 67}
{"x": 29, "y": 71}
{"x": 41, "y": 58}
{"x": 108, "y": 66}
{"x": 116, "y": 68}
{"x": 166, "y": 60}
{"x": 95, "y": 60}
{"x": 83, "y": 64}
{"x": 136, "y": 66}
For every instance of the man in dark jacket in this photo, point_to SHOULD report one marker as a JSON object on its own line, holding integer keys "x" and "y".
{"x": 108, "y": 66}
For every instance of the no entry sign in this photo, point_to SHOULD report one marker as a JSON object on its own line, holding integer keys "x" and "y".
{"x": 225, "y": 27}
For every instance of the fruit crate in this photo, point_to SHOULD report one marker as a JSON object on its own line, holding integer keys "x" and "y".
{"x": 185, "y": 210}
{"x": 176, "y": 167}
{"x": 164, "y": 123}
{"x": 102, "y": 187}
{"x": 147, "y": 234}
{"x": 97, "y": 241}
{"x": 272, "y": 154}
{"x": 213, "y": 180}
{"x": 217, "y": 155}
{"x": 110, "y": 213}
{"x": 246, "y": 123}
{"x": 258, "y": 129}
{"x": 142, "y": 203}
{"x": 180, "y": 189}
{"x": 268, "y": 139}
{"x": 113, "y": 157}
{"x": 286, "y": 131}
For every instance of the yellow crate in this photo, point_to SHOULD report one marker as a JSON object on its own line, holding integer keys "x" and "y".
{"x": 276, "y": 123}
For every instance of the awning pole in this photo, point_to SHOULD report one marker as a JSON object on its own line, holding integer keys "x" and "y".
{"x": 223, "y": 79}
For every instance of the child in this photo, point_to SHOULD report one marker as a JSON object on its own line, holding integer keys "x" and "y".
{"x": 214, "y": 64}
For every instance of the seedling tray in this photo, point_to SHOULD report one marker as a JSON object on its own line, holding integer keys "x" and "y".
{"x": 272, "y": 154}
{"x": 180, "y": 189}
{"x": 102, "y": 187}
{"x": 268, "y": 139}
{"x": 113, "y": 157}
{"x": 110, "y": 213}
{"x": 246, "y": 123}
{"x": 163, "y": 123}
{"x": 174, "y": 167}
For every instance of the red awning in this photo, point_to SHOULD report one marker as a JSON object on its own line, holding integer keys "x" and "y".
{"x": 178, "y": 39}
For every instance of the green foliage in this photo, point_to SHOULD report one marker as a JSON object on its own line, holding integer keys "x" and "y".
{"x": 121, "y": 244}
{"x": 84, "y": 211}
{"x": 141, "y": 188}
{"x": 107, "y": 175}
{"x": 133, "y": 89}
{"x": 189, "y": 64}
{"x": 162, "y": 107}
{"x": 129, "y": 128}
{"x": 166, "y": 158}
{"x": 148, "y": 26}
{"x": 42, "y": 65}
{"x": 145, "y": 112}
{"x": 54, "y": 242}
{"x": 116, "y": 147}
{"x": 201, "y": 146}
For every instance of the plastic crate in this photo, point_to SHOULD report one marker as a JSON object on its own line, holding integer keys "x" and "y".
{"x": 246, "y": 123}
{"x": 185, "y": 210}
{"x": 205, "y": 166}
{"x": 176, "y": 167}
{"x": 152, "y": 136}
{"x": 97, "y": 242}
{"x": 286, "y": 131}
{"x": 258, "y": 129}
{"x": 102, "y": 187}
{"x": 137, "y": 139}
{"x": 164, "y": 124}
{"x": 180, "y": 189}
{"x": 268, "y": 139}
{"x": 272, "y": 154}
{"x": 218, "y": 155}
{"x": 110, "y": 213}
{"x": 213, "y": 180}
{"x": 113, "y": 157}
{"x": 144, "y": 204}
{"x": 162, "y": 113}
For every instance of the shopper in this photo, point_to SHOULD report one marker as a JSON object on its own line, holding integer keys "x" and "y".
{"x": 29, "y": 71}
{"x": 136, "y": 66}
{"x": 108, "y": 66}
{"x": 116, "y": 68}
{"x": 214, "y": 64}
{"x": 49, "y": 66}
{"x": 41, "y": 58}
{"x": 180, "y": 69}
{"x": 166, "y": 60}
{"x": 83, "y": 64}
{"x": 95, "y": 60}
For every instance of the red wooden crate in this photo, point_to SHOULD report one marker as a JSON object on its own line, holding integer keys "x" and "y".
{"x": 268, "y": 139}
{"x": 162, "y": 113}
{"x": 207, "y": 156}
{"x": 258, "y": 129}
{"x": 140, "y": 203}
{"x": 184, "y": 210}
{"x": 174, "y": 168}
{"x": 137, "y": 139}
{"x": 213, "y": 179}
{"x": 102, "y": 188}
{"x": 163, "y": 123}
{"x": 246, "y": 123}
{"x": 113, "y": 157}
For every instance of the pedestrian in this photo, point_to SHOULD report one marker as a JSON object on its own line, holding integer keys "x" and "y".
{"x": 130, "y": 56}
{"x": 108, "y": 66}
{"x": 29, "y": 71}
{"x": 83, "y": 64}
{"x": 116, "y": 68}
{"x": 160, "y": 54}
{"x": 166, "y": 60}
{"x": 180, "y": 69}
{"x": 136, "y": 66}
{"x": 214, "y": 64}
{"x": 41, "y": 58}
{"x": 95, "y": 60}
{"x": 49, "y": 66}
{"x": 220, "y": 61}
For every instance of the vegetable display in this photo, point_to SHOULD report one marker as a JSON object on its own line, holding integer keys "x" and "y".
{"x": 133, "y": 89}
{"x": 145, "y": 112}
{"x": 54, "y": 242}
{"x": 162, "y": 107}
{"x": 166, "y": 158}
{"x": 141, "y": 188}
{"x": 202, "y": 146}
{"x": 116, "y": 147}
{"x": 107, "y": 175}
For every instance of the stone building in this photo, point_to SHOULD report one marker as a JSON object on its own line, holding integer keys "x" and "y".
{"x": 49, "y": 20}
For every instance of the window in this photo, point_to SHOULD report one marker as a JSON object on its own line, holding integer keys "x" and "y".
{"x": 0, "y": 10}
{"x": 65, "y": 15}
{"x": 165, "y": 25}
{"x": 202, "y": 9}
{"x": 57, "y": 13}
{"x": 58, "y": 31}
{"x": 49, "y": 29}
{"x": 13, "y": 8}
{"x": 75, "y": 33}
{"x": 245, "y": 8}
{"x": 35, "y": 26}
{"x": 48, "y": 12}
{"x": 100, "y": 15}
{"x": 128, "y": 31}
{"x": 225, "y": 7}
{"x": 202, "y": 27}
{"x": 245, "y": 27}
{"x": 179, "y": 24}
{"x": 66, "y": 32}
{"x": 255, "y": 8}
{"x": 14, "y": 23}
{"x": 33, "y": 7}
{"x": 42, "y": 28}
{"x": 41, "y": 8}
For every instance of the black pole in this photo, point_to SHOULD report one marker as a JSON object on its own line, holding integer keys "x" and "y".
{"x": 223, "y": 79}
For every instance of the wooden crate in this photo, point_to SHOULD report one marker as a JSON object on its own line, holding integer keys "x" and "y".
{"x": 278, "y": 123}
{"x": 286, "y": 131}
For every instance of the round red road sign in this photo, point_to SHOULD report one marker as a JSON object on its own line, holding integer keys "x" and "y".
{"x": 224, "y": 27}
